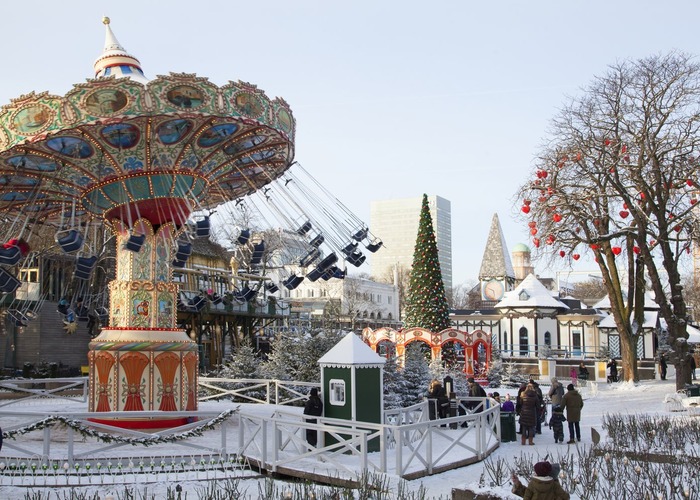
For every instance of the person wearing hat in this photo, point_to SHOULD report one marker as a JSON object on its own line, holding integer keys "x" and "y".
{"x": 572, "y": 402}
{"x": 313, "y": 407}
{"x": 542, "y": 486}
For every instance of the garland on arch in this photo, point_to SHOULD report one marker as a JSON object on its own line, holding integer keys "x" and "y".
{"x": 111, "y": 438}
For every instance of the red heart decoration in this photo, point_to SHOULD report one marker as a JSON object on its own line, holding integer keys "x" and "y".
{"x": 526, "y": 209}
{"x": 533, "y": 231}
{"x": 556, "y": 217}
{"x": 562, "y": 253}
{"x": 677, "y": 228}
{"x": 542, "y": 199}
{"x": 576, "y": 256}
{"x": 526, "y": 202}
{"x": 532, "y": 223}
{"x": 596, "y": 222}
{"x": 536, "y": 242}
{"x": 550, "y": 239}
{"x": 594, "y": 246}
{"x": 636, "y": 249}
{"x": 652, "y": 243}
{"x": 693, "y": 201}
{"x": 624, "y": 205}
{"x": 616, "y": 250}
{"x": 689, "y": 183}
{"x": 624, "y": 214}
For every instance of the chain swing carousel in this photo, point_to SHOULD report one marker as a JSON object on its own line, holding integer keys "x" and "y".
{"x": 150, "y": 160}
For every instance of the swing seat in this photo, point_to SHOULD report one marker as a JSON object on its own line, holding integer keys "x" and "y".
{"x": 315, "y": 274}
{"x": 308, "y": 259}
{"x": 84, "y": 267}
{"x": 258, "y": 250}
{"x": 356, "y": 259}
{"x": 202, "y": 228}
{"x": 327, "y": 262}
{"x": 135, "y": 242}
{"x": 70, "y": 240}
{"x": 183, "y": 252}
{"x": 243, "y": 237}
{"x": 271, "y": 287}
{"x": 361, "y": 234}
{"x": 338, "y": 273}
{"x": 317, "y": 240}
{"x": 18, "y": 318}
{"x": 292, "y": 282}
{"x": 246, "y": 294}
{"x": 304, "y": 228}
{"x": 349, "y": 248}
{"x": 374, "y": 246}
{"x": 10, "y": 256}
{"x": 196, "y": 303}
{"x": 8, "y": 283}
{"x": 215, "y": 299}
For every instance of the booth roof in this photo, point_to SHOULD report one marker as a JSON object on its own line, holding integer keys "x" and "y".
{"x": 352, "y": 351}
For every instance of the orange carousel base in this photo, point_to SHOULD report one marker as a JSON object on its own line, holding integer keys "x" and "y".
{"x": 152, "y": 424}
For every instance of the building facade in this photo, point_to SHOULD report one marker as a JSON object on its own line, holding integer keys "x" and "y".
{"x": 396, "y": 223}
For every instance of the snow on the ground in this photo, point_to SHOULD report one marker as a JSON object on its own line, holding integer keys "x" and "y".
{"x": 647, "y": 397}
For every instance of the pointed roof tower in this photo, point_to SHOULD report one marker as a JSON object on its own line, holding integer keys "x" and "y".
{"x": 115, "y": 60}
{"x": 496, "y": 261}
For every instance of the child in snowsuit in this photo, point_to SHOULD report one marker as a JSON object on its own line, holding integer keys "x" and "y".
{"x": 556, "y": 423}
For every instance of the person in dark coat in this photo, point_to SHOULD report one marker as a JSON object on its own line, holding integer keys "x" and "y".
{"x": 612, "y": 371}
{"x": 540, "y": 406}
{"x": 582, "y": 374}
{"x": 528, "y": 414}
{"x": 662, "y": 366}
{"x": 572, "y": 402}
{"x": 556, "y": 423}
{"x": 519, "y": 404}
{"x": 313, "y": 407}
{"x": 437, "y": 399}
{"x": 693, "y": 366}
{"x": 476, "y": 391}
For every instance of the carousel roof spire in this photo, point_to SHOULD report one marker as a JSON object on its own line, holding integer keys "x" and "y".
{"x": 115, "y": 60}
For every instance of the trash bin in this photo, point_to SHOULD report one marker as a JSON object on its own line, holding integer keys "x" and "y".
{"x": 692, "y": 390}
{"x": 507, "y": 426}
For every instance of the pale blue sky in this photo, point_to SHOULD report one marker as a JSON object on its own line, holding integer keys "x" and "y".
{"x": 392, "y": 99}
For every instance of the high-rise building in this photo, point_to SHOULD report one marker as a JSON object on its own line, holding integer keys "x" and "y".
{"x": 396, "y": 223}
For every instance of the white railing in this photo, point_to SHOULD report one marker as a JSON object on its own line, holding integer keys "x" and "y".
{"x": 56, "y": 388}
{"x": 267, "y": 391}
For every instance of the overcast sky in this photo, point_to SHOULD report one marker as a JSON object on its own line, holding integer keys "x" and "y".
{"x": 392, "y": 99}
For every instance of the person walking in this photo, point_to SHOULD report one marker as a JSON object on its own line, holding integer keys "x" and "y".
{"x": 556, "y": 392}
{"x": 663, "y": 366}
{"x": 528, "y": 414}
{"x": 572, "y": 402}
{"x": 313, "y": 407}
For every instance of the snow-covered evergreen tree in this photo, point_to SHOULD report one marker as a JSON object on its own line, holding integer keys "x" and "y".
{"x": 295, "y": 355}
{"x": 243, "y": 363}
{"x": 416, "y": 375}
{"x": 394, "y": 384}
{"x": 497, "y": 370}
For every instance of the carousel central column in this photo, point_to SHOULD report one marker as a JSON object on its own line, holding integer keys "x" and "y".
{"x": 142, "y": 362}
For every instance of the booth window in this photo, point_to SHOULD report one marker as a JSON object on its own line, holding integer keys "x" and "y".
{"x": 337, "y": 392}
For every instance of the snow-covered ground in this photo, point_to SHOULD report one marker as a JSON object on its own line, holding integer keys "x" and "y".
{"x": 646, "y": 397}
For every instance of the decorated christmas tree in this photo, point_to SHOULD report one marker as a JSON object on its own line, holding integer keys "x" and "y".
{"x": 426, "y": 305}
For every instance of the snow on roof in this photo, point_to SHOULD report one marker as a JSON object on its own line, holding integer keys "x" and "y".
{"x": 352, "y": 351}
{"x": 650, "y": 320}
{"x": 649, "y": 302}
{"x": 529, "y": 294}
{"x": 693, "y": 335}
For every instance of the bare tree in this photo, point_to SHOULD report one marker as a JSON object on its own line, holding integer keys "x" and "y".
{"x": 617, "y": 179}
{"x": 459, "y": 298}
{"x": 589, "y": 290}
{"x": 403, "y": 278}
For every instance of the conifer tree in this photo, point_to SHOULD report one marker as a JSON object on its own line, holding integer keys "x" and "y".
{"x": 416, "y": 375}
{"x": 426, "y": 305}
{"x": 393, "y": 384}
